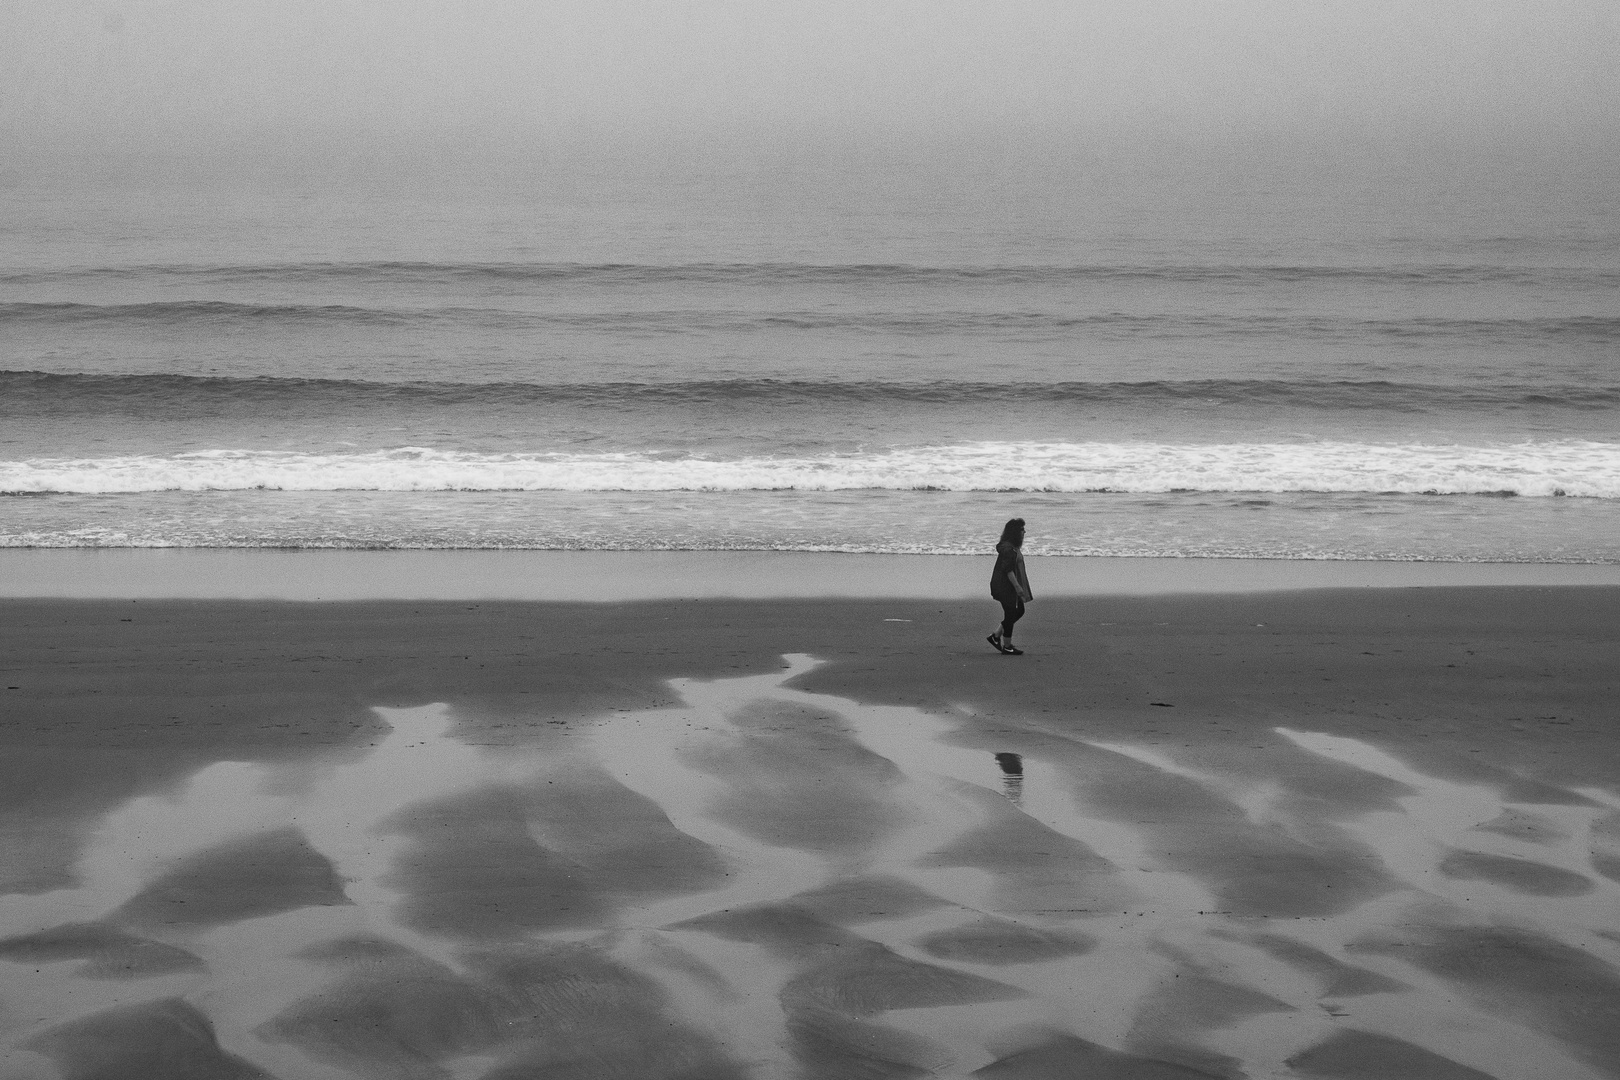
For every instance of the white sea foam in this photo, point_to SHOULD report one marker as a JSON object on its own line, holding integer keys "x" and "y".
{"x": 1564, "y": 467}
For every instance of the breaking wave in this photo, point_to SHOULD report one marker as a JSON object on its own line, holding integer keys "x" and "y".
{"x": 1563, "y": 467}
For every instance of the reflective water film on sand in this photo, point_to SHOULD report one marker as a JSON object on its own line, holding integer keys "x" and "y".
{"x": 756, "y": 881}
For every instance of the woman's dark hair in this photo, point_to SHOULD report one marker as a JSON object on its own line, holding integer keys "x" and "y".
{"x": 1013, "y": 532}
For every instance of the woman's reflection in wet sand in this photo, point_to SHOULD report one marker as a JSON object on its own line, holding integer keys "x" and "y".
{"x": 1012, "y": 777}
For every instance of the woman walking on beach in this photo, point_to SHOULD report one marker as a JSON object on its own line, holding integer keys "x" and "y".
{"x": 1010, "y": 585}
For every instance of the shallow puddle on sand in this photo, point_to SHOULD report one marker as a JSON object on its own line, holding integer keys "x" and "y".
{"x": 1436, "y": 844}
{"x": 858, "y": 892}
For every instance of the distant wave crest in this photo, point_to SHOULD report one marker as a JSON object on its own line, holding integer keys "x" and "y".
{"x": 1566, "y": 467}
{"x": 35, "y": 393}
{"x": 196, "y": 311}
{"x": 733, "y": 273}
{"x": 946, "y": 321}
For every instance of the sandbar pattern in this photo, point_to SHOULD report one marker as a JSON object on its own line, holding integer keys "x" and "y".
{"x": 755, "y": 880}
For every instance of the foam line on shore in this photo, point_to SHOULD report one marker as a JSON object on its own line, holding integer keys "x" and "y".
{"x": 1549, "y": 468}
{"x": 616, "y": 576}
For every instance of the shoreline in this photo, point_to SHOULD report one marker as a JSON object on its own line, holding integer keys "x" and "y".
{"x": 616, "y": 576}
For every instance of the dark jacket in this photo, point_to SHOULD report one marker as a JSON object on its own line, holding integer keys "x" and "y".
{"x": 1009, "y": 560}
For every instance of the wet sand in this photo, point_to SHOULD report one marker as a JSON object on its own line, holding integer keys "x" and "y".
{"x": 1343, "y": 834}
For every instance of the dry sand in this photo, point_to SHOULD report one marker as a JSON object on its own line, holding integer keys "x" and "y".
{"x": 1347, "y": 834}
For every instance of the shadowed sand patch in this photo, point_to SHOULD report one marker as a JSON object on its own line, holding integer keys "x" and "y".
{"x": 1171, "y": 1020}
{"x": 1520, "y": 875}
{"x": 389, "y": 1012}
{"x": 354, "y": 950}
{"x": 784, "y": 927}
{"x": 622, "y": 840}
{"x": 1550, "y": 986}
{"x": 109, "y": 953}
{"x": 1338, "y": 979}
{"x": 865, "y": 978}
{"x": 1605, "y": 846}
{"x": 168, "y": 1039}
{"x": 797, "y": 778}
{"x": 633, "y": 1055}
{"x": 1361, "y": 1055}
{"x": 534, "y": 1009}
{"x": 864, "y": 899}
{"x": 1526, "y": 825}
{"x": 1251, "y": 868}
{"x": 827, "y": 1046}
{"x": 473, "y": 871}
{"x": 838, "y": 980}
{"x": 1516, "y": 788}
{"x": 1068, "y": 1057}
{"x": 1001, "y": 941}
{"x": 243, "y": 879}
{"x": 1264, "y": 776}
{"x": 1035, "y": 867}
{"x": 576, "y": 1013}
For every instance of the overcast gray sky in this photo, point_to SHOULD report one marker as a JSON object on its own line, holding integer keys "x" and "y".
{"x": 190, "y": 71}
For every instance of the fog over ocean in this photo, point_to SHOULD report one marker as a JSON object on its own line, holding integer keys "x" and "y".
{"x": 1254, "y": 279}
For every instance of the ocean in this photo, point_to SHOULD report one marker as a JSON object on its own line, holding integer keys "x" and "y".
{"x": 1274, "y": 373}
